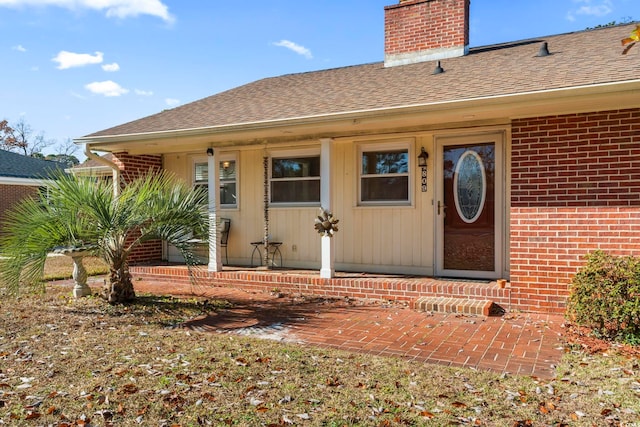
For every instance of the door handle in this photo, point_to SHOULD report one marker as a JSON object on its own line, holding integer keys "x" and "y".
{"x": 441, "y": 206}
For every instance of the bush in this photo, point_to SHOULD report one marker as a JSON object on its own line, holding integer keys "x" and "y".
{"x": 605, "y": 296}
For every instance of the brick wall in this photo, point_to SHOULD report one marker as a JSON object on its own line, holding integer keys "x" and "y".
{"x": 419, "y": 25}
{"x": 575, "y": 187}
{"x": 12, "y": 194}
{"x": 132, "y": 167}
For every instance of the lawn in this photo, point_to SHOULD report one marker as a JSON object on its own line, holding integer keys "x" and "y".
{"x": 60, "y": 267}
{"x": 68, "y": 362}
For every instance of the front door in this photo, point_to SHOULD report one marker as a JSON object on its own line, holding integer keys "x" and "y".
{"x": 469, "y": 207}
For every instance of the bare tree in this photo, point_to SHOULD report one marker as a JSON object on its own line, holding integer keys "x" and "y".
{"x": 27, "y": 141}
{"x": 21, "y": 137}
{"x": 67, "y": 148}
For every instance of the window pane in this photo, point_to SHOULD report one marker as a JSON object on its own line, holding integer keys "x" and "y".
{"x": 228, "y": 170}
{"x": 303, "y": 191}
{"x": 295, "y": 167}
{"x": 383, "y": 162}
{"x": 228, "y": 193}
{"x": 201, "y": 172}
{"x": 385, "y": 189}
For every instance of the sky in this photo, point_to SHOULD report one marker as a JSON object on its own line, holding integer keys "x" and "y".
{"x": 74, "y": 67}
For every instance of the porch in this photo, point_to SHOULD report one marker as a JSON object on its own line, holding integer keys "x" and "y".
{"x": 475, "y": 297}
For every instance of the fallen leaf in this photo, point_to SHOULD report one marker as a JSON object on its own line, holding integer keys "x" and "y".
{"x": 183, "y": 377}
{"x": 130, "y": 388}
{"x": 333, "y": 382}
{"x": 427, "y": 414}
{"x": 32, "y": 415}
{"x": 209, "y": 397}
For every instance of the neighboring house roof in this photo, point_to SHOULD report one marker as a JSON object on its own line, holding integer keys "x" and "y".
{"x": 92, "y": 163}
{"x": 93, "y": 167}
{"x": 17, "y": 167}
{"x": 580, "y": 59}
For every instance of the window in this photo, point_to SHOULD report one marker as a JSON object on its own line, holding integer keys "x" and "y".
{"x": 295, "y": 180}
{"x": 228, "y": 179}
{"x": 228, "y": 189}
{"x": 384, "y": 174}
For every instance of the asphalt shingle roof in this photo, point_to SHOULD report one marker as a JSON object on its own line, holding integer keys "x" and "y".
{"x": 18, "y": 166}
{"x": 583, "y": 58}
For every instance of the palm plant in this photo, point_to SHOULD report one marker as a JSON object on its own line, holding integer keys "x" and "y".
{"x": 80, "y": 212}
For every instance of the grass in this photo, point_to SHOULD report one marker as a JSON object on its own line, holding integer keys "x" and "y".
{"x": 67, "y": 362}
{"x": 61, "y": 267}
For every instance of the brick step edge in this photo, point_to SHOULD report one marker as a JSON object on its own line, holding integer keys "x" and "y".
{"x": 457, "y": 305}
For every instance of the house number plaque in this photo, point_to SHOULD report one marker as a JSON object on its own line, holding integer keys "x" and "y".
{"x": 424, "y": 179}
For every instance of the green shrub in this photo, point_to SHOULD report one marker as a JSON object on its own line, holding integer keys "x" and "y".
{"x": 605, "y": 296}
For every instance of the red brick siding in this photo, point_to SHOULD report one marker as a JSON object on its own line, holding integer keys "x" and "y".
{"x": 132, "y": 167}
{"x": 415, "y": 26}
{"x": 12, "y": 194}
{"x": 575, "y": 187}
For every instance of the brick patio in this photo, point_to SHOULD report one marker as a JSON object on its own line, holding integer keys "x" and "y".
{"x": 516, "y": 343}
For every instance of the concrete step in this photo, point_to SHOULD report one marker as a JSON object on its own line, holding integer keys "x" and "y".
{"x": 457, "y": 305}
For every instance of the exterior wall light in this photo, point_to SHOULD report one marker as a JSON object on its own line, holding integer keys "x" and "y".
{"x": 422, "y": 158}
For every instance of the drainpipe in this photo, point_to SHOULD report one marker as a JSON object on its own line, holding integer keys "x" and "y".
{"x": 116, "y": 171}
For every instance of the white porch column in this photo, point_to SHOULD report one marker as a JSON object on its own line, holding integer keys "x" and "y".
{"x": 213, "y": 181}
{"x": 327, "y": 271}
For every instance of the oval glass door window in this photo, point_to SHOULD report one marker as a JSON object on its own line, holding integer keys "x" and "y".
{"x": 470, "y": 186}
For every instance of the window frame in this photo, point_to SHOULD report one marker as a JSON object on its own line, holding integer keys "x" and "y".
{"x": 293, "y": 154}
{"x": 222, "y": 157}
{"x": 372, "y": 147}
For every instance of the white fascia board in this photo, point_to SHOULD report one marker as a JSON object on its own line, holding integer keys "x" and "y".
{"x": 32, "y": 182}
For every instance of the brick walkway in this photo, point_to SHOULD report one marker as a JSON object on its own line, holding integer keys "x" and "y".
{"x": 516, "y": 343}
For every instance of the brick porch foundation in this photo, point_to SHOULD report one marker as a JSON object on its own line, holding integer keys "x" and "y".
{"x": 354, "y": 285}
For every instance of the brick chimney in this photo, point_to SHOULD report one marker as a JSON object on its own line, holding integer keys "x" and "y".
{"x": 425, "y": 30}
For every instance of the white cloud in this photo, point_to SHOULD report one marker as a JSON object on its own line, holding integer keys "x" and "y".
{"x": 69, "y": 59}
{"x": 172, "y": 102}
{"x": 596, "y": 8}
{"x": 111, "y": 67}
{"x": 106, "y": 88}
{"x": 112, "y": 8}
{"x": 143, "y": 92}
{"x": 300, "y": 50}
{"x": 19, "y": 47}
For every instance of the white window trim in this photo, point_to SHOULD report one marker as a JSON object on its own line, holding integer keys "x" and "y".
{"x": 404, "y": 144}
{"x": 293, "y": 153}
{"x": 223, "y": 156}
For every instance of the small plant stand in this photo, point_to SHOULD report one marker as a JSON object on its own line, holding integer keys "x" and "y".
{"x": 80, "y": 288}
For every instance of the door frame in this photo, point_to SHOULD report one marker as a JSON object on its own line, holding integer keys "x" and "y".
{"x": 498, "y": 137}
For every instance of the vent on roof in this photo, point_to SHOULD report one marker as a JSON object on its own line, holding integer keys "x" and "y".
{"x": 438, "y": 69}
{"x": 425, "y": 30}
{"x": 544, "y": 50}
